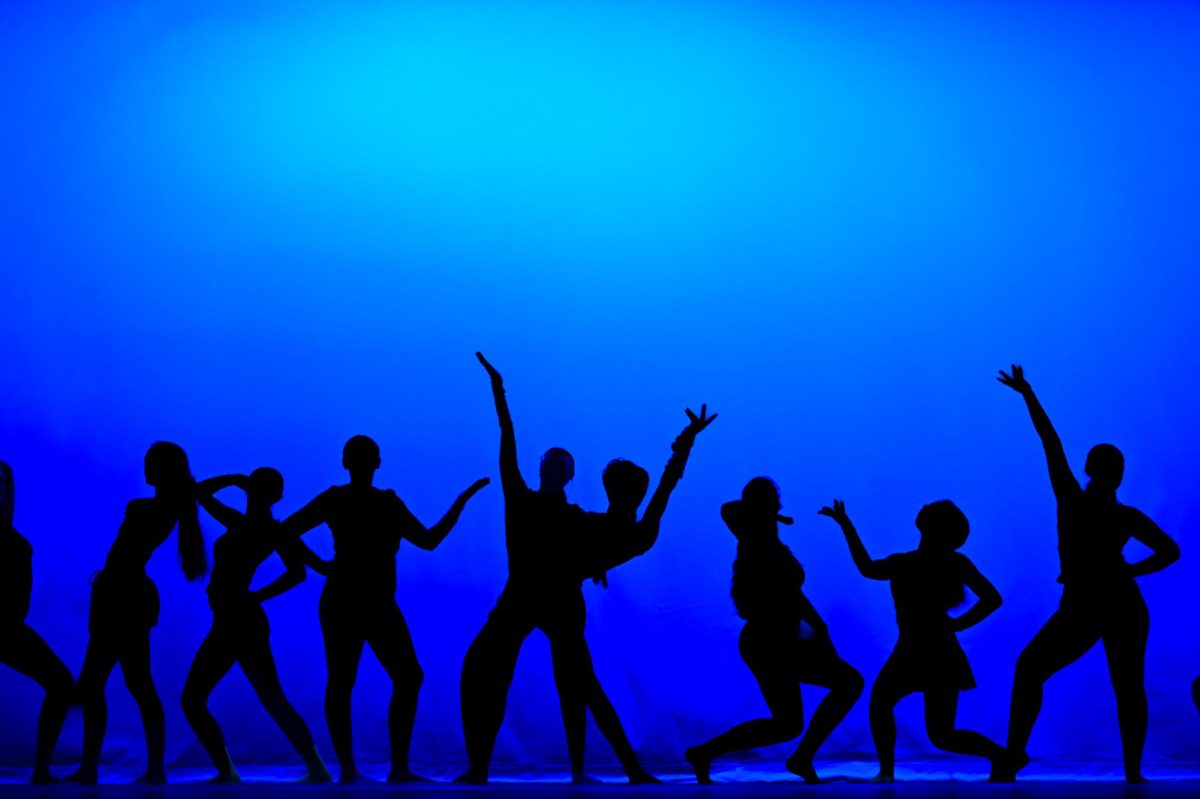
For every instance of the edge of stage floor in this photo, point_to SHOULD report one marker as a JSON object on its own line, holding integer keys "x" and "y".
{"x": 924, "y": 778}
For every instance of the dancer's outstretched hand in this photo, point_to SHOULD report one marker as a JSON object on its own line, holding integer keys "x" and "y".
{"x": 491, "y": 370}
{"x": 1016, "y": 381}
{"x": 696, "y": 424}
{"x": 476, "y": 487}
{"x": 837, "y": 512}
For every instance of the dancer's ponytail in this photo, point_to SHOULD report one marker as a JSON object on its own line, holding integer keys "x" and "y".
{"x": 193, "y": 555}
{"x": 167, "y": 470}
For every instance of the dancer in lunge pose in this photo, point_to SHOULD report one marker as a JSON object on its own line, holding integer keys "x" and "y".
{"x": 1101, "y": 600}
{"x": 785, "y": 641}
{"x": 22, "y": 649}
{"x": 125, "y": 607}
{"x": 240, "y": 632}
{"x": 358, "y": 604}
{"x": 927, "y": 584}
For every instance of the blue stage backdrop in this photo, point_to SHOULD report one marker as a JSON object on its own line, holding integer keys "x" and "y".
{"x": 258, "y": 227}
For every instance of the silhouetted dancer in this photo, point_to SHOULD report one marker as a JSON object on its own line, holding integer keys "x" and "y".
{"x": 22, "y": 649}
{"x": 785, "y": 641}
{"x": 927, "y": 584}
{"x": 616, "y": 537}
{"x": 358, "y": 604}
{"x": 542, "y": 538}
{"x": 240, "y": 632}
{"x": 1101, "y": 600}
{"x": 1196, "y": 693}
{"x": 125, "y": 607}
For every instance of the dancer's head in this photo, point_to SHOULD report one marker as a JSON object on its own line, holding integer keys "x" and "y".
{"x": 167, "y": 470}
{"x": 360, "y": 456}
{"x": 1105, "y": 467}
{"x": 761, "y": 497}
{"x": 264, "y": 487}
{"x": 943, "y": 526}
{"x": 7, "y": 495}
{"x": 557, "y": 469}
{"x": 166, "y": 467}
{"x": 626, "y": 484}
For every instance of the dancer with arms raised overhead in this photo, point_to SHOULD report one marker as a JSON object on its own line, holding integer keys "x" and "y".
{"x": 1101, "y": 600}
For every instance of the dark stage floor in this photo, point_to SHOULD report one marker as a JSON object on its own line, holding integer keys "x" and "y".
{"x": 915, "y": 790}
{"x": 932, "y": 780}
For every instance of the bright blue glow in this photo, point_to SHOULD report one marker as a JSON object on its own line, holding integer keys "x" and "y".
{"x": 256, "y": 228}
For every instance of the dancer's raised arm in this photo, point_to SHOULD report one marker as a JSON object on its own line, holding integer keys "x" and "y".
{"x": 733, "y": 514}
{"x": 510, "y": 471}
{"x": 1062, "y": 479}
{"x": 988, "y": 598}
{"x": 428, "y": 538}
{"x": 205, "y": 496}
{"x": 681, "y": 448}
{"x": 871, "y": 569}
{"x": 609, "y": 549}
{"x": 308, "y": 518}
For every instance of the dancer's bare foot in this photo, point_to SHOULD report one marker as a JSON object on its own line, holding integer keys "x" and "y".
{"x": 230, "y": 778}
{"x": 405, "y": 778}
{"x": 85, "y": 776}
{"x": 700, "y": 764}
{"x": 639, "y": 776}
{"x": 802, "y": 767}
{"x": 1006, "y": 770}
{"x": 472, "y": 778}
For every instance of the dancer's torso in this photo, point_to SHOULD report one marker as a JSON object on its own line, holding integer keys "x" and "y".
{"x": 236, "y": 557}
{"x": 145, "y": 527}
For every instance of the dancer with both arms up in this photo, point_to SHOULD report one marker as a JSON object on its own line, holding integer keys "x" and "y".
{"x": 552, "y": 548}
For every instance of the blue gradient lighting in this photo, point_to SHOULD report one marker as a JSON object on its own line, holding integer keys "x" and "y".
{"x": 257, "y": 228}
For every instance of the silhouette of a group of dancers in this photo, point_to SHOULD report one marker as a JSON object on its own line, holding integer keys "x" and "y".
{"x": 553, "y": 548}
